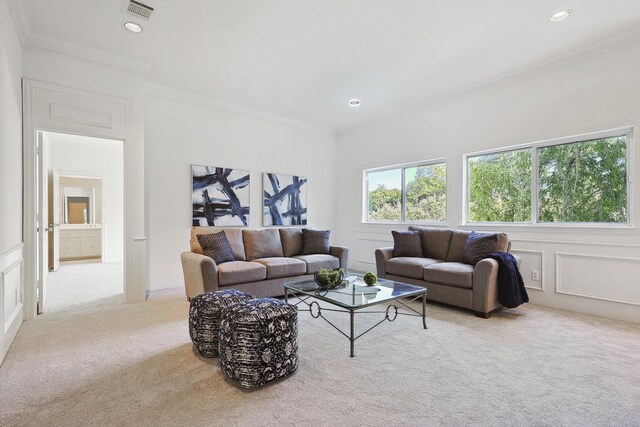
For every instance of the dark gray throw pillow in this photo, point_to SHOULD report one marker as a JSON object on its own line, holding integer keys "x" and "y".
{"x": 407, "y": 243}
{"x": 216, "y": 246}
{"x": 315, "y": 241}
{"x": 478, "y": 246}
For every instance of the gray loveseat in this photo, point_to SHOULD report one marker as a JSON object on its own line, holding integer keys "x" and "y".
{"x": 264, "y": 261}
{"x": 443, "y": 271}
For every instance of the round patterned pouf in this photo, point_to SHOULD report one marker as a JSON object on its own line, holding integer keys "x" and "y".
{"x": 204, "y": 318}
{"x": 259, "y": 341}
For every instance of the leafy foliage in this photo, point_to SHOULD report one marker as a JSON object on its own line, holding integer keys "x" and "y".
{"x": 425, "y": 196}
{"x": 583, "y": 182}
{"x": 500, "y": 187}
{"x": 385, "y": 204}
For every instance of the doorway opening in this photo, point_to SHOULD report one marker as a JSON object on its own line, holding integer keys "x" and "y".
{"x": 81, "y": 207}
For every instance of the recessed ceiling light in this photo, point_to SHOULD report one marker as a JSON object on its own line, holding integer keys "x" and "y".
{"x": 133, "y": 27}
{"x": 560, "y": 16}
{"x": 354, "y": 103}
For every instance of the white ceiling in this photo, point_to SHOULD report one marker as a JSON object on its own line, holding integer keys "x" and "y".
{"x": 304, "y": 60}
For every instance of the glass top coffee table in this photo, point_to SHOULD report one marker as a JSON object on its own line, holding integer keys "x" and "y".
{"x": 355, "y": 295}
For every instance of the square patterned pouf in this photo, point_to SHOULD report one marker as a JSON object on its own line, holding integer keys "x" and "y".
{"x": 204, "y": 318}
{"x": 259, "y": 341}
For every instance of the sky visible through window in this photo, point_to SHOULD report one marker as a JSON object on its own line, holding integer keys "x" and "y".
{"x": 391, "y": 179}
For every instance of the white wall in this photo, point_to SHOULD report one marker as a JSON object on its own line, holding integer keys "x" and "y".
{"x": 590, "y": 95}
{"x": 84, "y": 156}
{"x": 178, "y": 134}
{"x": 11, "y": 276}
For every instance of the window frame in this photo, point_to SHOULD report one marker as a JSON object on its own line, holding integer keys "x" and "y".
{"x": 535, "y": 202}
{"x": 403, "y": 200}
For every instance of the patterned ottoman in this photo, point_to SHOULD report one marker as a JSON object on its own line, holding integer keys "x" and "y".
{"x": 204, "y": 318}
{"x": 259, "y": 341}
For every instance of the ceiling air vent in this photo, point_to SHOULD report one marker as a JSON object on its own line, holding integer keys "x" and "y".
{"x": 139, "y": 9}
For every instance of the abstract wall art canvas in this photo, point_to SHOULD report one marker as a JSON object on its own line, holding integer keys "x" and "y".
{"x": 285, "y": 199}
{"x": 219, "y": 196}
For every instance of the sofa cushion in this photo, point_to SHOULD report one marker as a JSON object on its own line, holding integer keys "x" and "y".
{"x": 315, "y": 241}
{"x": 216, "y": 246}
{"x": 408, "y": 266}
{"x": 456, "y": 247}
{"x": 235, "y": 272}
{"x": 291, "y": 241}
{"x": 435, "y": 241}
{"x": 478, "y": 246}
{"x": 262, "y": 243}
{"x": 283, "y": 267}
{"x": 234, "y": 235}
{"x": 450, "y": 273}
{"x": 319, "y": 261}
{"x": 406, "y": 244}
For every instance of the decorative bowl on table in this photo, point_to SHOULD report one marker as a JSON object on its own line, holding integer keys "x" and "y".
{"x": 326, "y": 278}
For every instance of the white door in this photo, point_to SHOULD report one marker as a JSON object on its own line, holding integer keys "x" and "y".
{"x": 42, "y": 219}
{"x": 54, "y": 221}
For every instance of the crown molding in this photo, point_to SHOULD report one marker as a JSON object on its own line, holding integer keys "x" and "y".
{"x": 610, "y": 45}
{"x": 97, "y": 56}
{"x": 20, "y": 18}
{"x": 164, "y": 92}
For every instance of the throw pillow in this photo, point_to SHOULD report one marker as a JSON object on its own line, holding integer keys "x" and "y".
{"x": 478, "y": 246}
{"x": 407, "y": 243}
{"x": 315, "y": 241}
{"x": 216, "y": 246}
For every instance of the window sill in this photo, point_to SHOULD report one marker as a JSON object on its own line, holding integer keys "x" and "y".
{"x": 599, "y": 228}
{"x": 406, "y": 224}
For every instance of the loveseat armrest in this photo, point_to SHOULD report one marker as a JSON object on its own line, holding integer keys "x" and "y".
{"x": 382, "y": 256}
{"x": 200, "y": 274}
{"x": 342, "y": 253}
{"x": 485, "y": 286}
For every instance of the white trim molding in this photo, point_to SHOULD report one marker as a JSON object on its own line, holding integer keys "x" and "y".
{"x": 598, "y": 296}
{"x": 11, "y": 264}
{"x": 542, "y": 268}
{"x": 164, "y": 92}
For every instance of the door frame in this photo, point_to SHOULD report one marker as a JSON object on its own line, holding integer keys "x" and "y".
{"x": 54, "y": 108}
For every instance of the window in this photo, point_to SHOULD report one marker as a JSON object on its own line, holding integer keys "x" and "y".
{"x": 500, "y": 187}
{"x": 563, "y": 181}
{"x": 412, "y": 193}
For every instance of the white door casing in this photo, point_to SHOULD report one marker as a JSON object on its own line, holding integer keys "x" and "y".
{"x": 54, "y": 220}
{"x": 42, "y": 227}
{"x": 54, "y": 108}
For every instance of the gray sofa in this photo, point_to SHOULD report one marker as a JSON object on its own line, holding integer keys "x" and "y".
{"x": 264, "y": 261}
{"x": 443, "y": 271}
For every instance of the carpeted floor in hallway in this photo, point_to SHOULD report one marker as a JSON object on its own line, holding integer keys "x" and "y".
{"x": 105, "y": 363}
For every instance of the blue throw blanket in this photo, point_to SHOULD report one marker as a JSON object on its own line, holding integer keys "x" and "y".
{"x": 511, "y": 290}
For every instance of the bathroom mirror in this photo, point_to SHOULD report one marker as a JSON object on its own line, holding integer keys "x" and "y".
{"x": 79, "y": 205}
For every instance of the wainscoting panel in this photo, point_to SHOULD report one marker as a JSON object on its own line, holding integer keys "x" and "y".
{"x": 531, "y": 261}
{"x": 367, "y": 249}
{"x": 81, "y": 116}
{"x": 608, "y": 278}
{"x": 11, "y": 279}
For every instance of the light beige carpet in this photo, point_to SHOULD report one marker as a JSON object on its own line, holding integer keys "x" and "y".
{"x": 105, "y": 363}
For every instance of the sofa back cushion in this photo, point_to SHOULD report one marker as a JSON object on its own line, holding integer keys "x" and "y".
{"x": 291, "y": 241}
{"x": 234, "y": 235}
{"x": 262, "y": 243}
{"x": 456, "y": 247}
{"x": 435, "y": 241}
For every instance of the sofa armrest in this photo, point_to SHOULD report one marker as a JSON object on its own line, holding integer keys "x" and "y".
{"x": 485, "y": 286}
{"x": 342, "y": 253}
{"x": 382, "y": 255}
{"x": 200, "y": 274}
